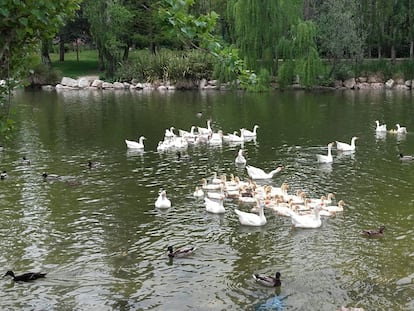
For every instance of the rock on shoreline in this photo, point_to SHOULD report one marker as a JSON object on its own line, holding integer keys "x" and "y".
{"x": 94, "y": 83}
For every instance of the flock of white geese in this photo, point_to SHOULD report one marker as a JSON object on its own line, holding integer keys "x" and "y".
{"x": 304, "y": 211}
{"x": 196, "y": 135}
{"x": 216, "y": 191}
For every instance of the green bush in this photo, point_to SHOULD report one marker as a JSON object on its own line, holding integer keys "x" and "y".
{"x": 166, "y": 65}
{"x": 43, "y": 74}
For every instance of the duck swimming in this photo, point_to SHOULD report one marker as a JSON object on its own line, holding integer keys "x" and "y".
{"x": 162, "y": 200}
{"x": 268, "y": 280}
{"x": 26, "y": 277}
{"x": 374, "y": 233}
{"x": 3, "y": 175}
{"x": 181, "y": 252}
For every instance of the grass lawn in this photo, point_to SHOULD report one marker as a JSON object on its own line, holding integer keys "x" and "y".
{"x": 86, "y": 66}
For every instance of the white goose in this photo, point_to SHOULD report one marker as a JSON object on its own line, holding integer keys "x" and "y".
{"x": 326, "y": 158}
{"x": 214, "y": 207}
{"x": 249, "y": 134}
{"x": 306, "y": 221}
{"x": 234, "y": 138}
{"x": 250, "y": 219}
{"x": 135, "y": 145}
{"x": 240, "y": 159}
{"x": 198, "y": 193}
{"x": 205, "y": 131}
{"x": 258, "y": 173}
{"x": 401, "y": 129}
{"x": 346, "y": 147}
{"x": 380, "y": 128}
{"x": 163, "y": 201}
{"x": 169, "y": 133}
{"x": 334, "y": 208}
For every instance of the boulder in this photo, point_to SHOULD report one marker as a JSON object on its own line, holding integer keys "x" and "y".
{"x": 107, "y": 85}
{"x": 389, "y": 84}
{"x": 97, "y": 83}
{"x": 83, "y": 83}
{"x": 350, "y": 83}
{"x": 66, "y": 81}
{"x": 118, "y": 85}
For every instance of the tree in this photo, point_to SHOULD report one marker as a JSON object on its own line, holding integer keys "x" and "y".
{"x": 22, "y": 25}
{"x": 343, "y": 38}
{"x": 258, "y": 26}
{"x": 109, "y": 22}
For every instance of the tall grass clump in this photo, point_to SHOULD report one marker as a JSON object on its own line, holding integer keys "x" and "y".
{"x": 167, "y": 66}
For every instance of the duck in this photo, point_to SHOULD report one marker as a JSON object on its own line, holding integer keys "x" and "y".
{"x": 250, "y": 219}
{"x": 198, "y": 193}
{"x": 4, "y": 175}
{"x": 183, "y": 157}
{"x": 401, "y": 129}
{"x": 25, "y": 161}
{"x": 50, "y": 177}
{"x": 135, "y": 145}
{"x": 162, "y": 200}
{"x": 214, "y": 207}
{"x": 249, "y": 134}
{"x": 26, "y": 277}
{"x": 268, "y": 280}
{"x": 374, "y": 233}
{"x": 306, "y": 221}
{"x": 258, "y": 173}
{"x": 326, "y": 158}
{"x": 380, "y": 128}
{"x": 406, "y": 157}
{"x": 180, "y": 252}
{"x": 240, "y": 159}
{"x": 216, "y": 138}
{"x": 346, "y": 147}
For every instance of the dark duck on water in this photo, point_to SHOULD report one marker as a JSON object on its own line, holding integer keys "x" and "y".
{"x": 26, "y": 277}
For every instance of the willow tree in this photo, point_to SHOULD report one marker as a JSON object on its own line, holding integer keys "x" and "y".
{"x": 259, "y": 25}
{"x": 300, "y": 56}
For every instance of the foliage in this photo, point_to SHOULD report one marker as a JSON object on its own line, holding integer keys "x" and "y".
{"x": 167, "y": 66}
{"x": 43, "y": 74}
{"x": 109, "y": 22}
{"x": 258, "y": 27}
{"x": 22, "y": 25}
{"x": 344, "y": 38}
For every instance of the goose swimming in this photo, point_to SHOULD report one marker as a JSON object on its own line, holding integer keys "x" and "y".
{"x": 240, "y": 159}
{"x": 135, "y": 145}
{"x": 326, "y": 158}
{"x": 306, "y": 221}
{"x": 258, "y": 173}
{"x": 250, "y": 219}
{"x": 162, "y": 200}
{"x": 346, "y": 147}
{"x": 214, "y": 207}
{"x": 249, "y": 134}
{"x": 380, "y": 128}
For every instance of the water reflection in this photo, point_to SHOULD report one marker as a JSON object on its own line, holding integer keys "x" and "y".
{"x": 104, "y": 243}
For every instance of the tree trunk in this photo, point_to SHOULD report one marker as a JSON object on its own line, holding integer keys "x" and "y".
{"x": 61, "y": 50}
{"x": 77, "y": 50}
{"x": 379, "y": 52}
{"x": 411, "y": 49}
{"x": 393, "y": 54}
{"x": 126, "y": 53}
{"x": 45, "y": 53}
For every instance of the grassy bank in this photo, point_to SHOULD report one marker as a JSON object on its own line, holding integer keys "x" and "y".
{"x": 87, "y": 64}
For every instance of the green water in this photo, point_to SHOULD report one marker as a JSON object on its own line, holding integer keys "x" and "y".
{"x": 103, "y": 244}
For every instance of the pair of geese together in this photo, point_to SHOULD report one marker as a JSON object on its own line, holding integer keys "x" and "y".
{"x": 340, "y": 146}
{"x": 383, "y": 128}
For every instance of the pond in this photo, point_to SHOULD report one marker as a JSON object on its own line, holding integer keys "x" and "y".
{"x": 103, "y": 244}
